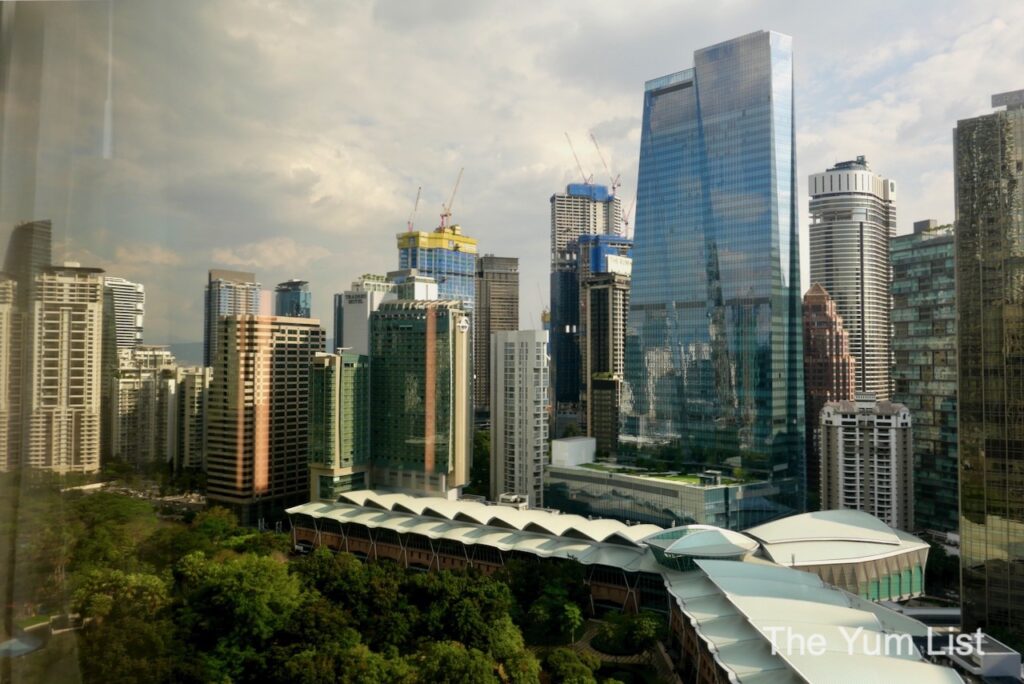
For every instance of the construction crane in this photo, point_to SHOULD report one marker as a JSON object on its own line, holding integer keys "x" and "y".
{"x": 625, "y": 218}
{"x": 415, "y": 206}
{"x": 614, "y": 179}
{"x": 446, "y": 209}
{"x": 584, "y": 176}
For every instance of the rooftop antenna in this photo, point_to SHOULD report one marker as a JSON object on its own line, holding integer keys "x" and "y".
{"x": 614, "y": 179}
{"x": 584, "y": 176}
{"x": 415, "y": 206}
{"x": 446, "y": 212}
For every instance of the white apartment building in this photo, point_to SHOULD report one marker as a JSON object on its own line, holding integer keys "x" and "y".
{"x": 853, "y": 217}
{"x": 519, "y": 413}
{"x": 63, "y": 396}
{"x": 868, "y": 459}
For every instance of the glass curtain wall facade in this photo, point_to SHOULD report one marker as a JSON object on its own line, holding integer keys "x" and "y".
{"x": 339, "y": 425}
{"x": 447, "y": 256}
{"x": 989, "y": 174}
{"x": 421, "y": 420}
{"x": 924, "y": 366}
{"x": 714, "y": 346}
{"x": 293, "y": 298}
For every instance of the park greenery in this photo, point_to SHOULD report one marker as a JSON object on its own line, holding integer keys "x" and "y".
{"x": 209, "y": 601}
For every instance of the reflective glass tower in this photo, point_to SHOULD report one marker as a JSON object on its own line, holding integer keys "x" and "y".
{"x": 293, "y": 298}
{"x": 989, "y": 261}
{"x": 714, "y": 343}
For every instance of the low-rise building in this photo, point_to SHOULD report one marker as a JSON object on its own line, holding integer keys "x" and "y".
{"x": 634, "y": 494}
{"x": 730, "y": 606}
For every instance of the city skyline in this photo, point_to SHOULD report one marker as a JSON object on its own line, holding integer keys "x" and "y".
{"x": 275, "y": 198}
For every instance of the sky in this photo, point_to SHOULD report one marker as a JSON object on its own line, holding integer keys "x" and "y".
{"x": 289, "y": 138}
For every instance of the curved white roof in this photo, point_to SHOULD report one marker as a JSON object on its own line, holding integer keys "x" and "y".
{"x": 778, "y": 602}
{"x": 530, "y": 520}
{"x": 832, "y": 537}
{"x": 836, "y": 525}
{"x": 713, "y": 542}
{"x": 735, "y": 607}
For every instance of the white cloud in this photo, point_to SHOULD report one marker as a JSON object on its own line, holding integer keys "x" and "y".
{"x": 299, "y": 131}
{"x": 280, "y": 253}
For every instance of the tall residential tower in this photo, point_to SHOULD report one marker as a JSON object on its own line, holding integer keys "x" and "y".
{"x": 62, "y": 399}
{"x": 228, "y": 293}
{"x": 519, "y": 414}
{"x": 125, "y": 308}
{"x": 853, "y": 217}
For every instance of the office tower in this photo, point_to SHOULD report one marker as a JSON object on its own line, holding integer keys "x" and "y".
{"x": 62, "y": 401}
{"x": 605, "y": 298}
{"x": 228, "y": 293}
{"x": 125, "y": 307}
{"x": 989, "y": 243}
{"x": 352, "y": 311}
{"x": 10, "y": 366}
{"x": 339, "y": 425}
{"x": 583, "y": 209}
{"x": 597, "y": 255}
{"x": 829, "y": 375}
{"x": 29, "y": 252}
{"x": 924, "y": 366}
{"x": 867, "y": 459}
{"x": 421, "y": 419}
{"x": 714, "y": 342}
{"x": 497, "y": 309}
{"x": 411, "y": 284}
{"x": 853, "y": 217}
{"x": 447, "y": 256}
{"x": 519, "y": 414}
{"x": 293, "y": 298}
{"x": 191, "y": 391}
{"x": 142, "y": 407}
{"x": 257, "y": 430}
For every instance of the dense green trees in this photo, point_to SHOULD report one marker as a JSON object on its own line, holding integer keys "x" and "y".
{"x": 480, "y": 470}
{"x": 626, "y": 634}
{"x": 209, "y": 601}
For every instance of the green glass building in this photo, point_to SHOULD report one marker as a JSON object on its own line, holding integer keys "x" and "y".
{"x": 422, "y": 417}
{"x": 339, "y": 425}
{"x": 989, "y": 174}
{"x": 924, "y": 366}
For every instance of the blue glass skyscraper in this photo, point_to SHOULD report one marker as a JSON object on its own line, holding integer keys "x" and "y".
{"x": 447, "y": 256}
{"x": 714, "y": 348}
{"x": 294, "y": 299}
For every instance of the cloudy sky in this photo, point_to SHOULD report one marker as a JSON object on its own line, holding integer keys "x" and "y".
{"x": 289, "y": 138}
